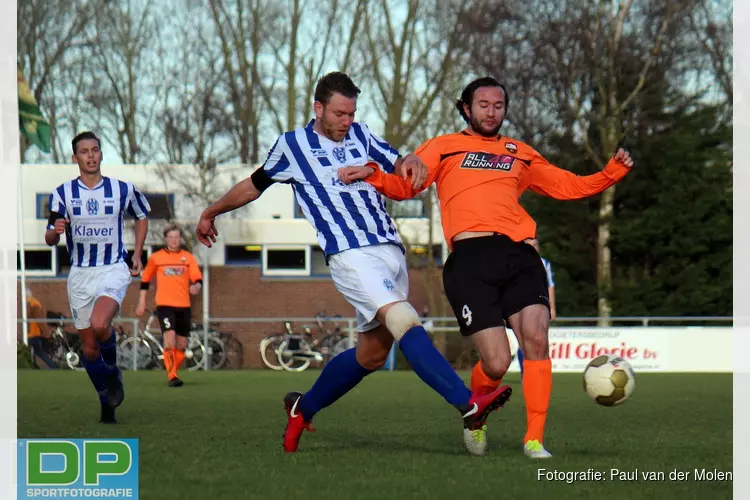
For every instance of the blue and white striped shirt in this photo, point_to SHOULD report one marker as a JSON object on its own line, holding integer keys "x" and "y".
{"x": 550, "y": 274}
{"x": 344, "y": 216}
{"x": 94, "y": 236}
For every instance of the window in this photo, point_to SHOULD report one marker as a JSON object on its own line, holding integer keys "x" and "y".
{"x": 162, "y": 205}
{"x": 42, "y": 206}
{"x": 37, "y": 261}
{"x": 286, "y": 261}
{"x": 247, "y": 255}
{"x": 318, "y": 265}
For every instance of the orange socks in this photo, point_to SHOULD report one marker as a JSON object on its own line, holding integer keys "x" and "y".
{"x": 169, "y": 362}
{"x": 480, "y": 382}
{"x": 173, "y": 359}
{"x": 179, "y": 357}
{"x": 537, "y": 387}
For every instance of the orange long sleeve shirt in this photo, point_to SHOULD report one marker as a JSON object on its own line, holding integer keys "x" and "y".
{"x": 480, "y": 179}
{"x": 174, "y": 272}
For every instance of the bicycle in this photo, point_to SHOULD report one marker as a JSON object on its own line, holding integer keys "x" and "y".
{"x": 269, "y": 348}
{"x": 217, "y": 345}
{"x": 297, "y": 351}
{"x": 149, "y": 352}
{"x": 65, "y": 348}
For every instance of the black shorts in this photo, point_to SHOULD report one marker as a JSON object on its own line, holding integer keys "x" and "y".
{"x": 490, "y": 278}
{"x": 178, "y": 319}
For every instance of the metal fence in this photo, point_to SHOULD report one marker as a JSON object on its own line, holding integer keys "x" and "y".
{"x": 433, "y": 324}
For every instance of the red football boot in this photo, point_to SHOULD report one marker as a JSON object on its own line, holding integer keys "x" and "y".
{"x": 295, "y": 424}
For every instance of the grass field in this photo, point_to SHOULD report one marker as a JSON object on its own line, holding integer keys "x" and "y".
{"x": 219, "y": 437}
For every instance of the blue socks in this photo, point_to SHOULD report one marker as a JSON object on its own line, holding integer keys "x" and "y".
{"x": 339, "y": 376}
{"x": 343, "y": 373}
{"x": 108, "y": 348}
{"x": 97, "y": 372}
{"x": 98, "y": 369}
{"x": 433, "y": 368}
{"x": 519, "y": 355}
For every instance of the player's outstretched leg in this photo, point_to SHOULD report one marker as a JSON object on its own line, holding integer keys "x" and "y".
{"x": 435, "y": 371}
{"x": 339, "y": 376}
{"x": 487, "y": 376}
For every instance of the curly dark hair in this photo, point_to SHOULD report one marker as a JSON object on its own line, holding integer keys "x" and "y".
{"x": 467, "y": 96}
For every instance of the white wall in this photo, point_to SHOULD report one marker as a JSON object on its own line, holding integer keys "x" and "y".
{"x": 269, "y": 220}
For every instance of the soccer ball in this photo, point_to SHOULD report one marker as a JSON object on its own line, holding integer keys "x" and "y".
{"x": 609, "y": 380}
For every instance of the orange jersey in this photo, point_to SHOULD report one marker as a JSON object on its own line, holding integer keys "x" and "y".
{"x": 480, "y": 179}
{"x": 174, "y": 272}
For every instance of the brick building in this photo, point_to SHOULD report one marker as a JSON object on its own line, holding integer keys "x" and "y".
{"x": 267, "y": 262}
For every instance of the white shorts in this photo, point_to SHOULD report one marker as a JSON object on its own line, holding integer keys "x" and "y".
{"x": 369, "y": 278}
{"x": 86, "y": 284}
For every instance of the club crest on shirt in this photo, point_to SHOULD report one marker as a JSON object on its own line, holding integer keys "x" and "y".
{"x": 511, "y": 147}
{"x": 92, "y": 206}
{"x": 339, "y": 154}
{"x": 488, "y": 161}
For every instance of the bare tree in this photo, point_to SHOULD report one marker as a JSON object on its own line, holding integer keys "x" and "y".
{"x": 585, "y": 65}
{"x": 52, "y": 36}
{"x": 712, "y": 24}
{"x": 244, "y": 29}
{"x": 411, "y": 58}
{"x": 194, "y": 124}
{"x": 304, "y": 51}
{"x": 123, "y": 85}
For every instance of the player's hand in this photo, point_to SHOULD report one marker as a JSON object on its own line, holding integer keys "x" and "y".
{"x": 414, "y": 166}
{"x": 347, "y": 175}
{"x": 137, "y": 266}
{"x": 60, "y": 225}
{"x": 195, "y": 288}
{"x": 624, "y": 157}
{"x": 553, "y": 315}
{"x": 206, "y": 231}
{"x": 140, "y": 310}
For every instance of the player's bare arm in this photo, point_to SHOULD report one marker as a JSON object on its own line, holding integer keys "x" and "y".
{"x": 240, "y": 195}
{"x": 52, "y": 235}
{"x": 140, "y": 309}
{"x": 141, "y": 229}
